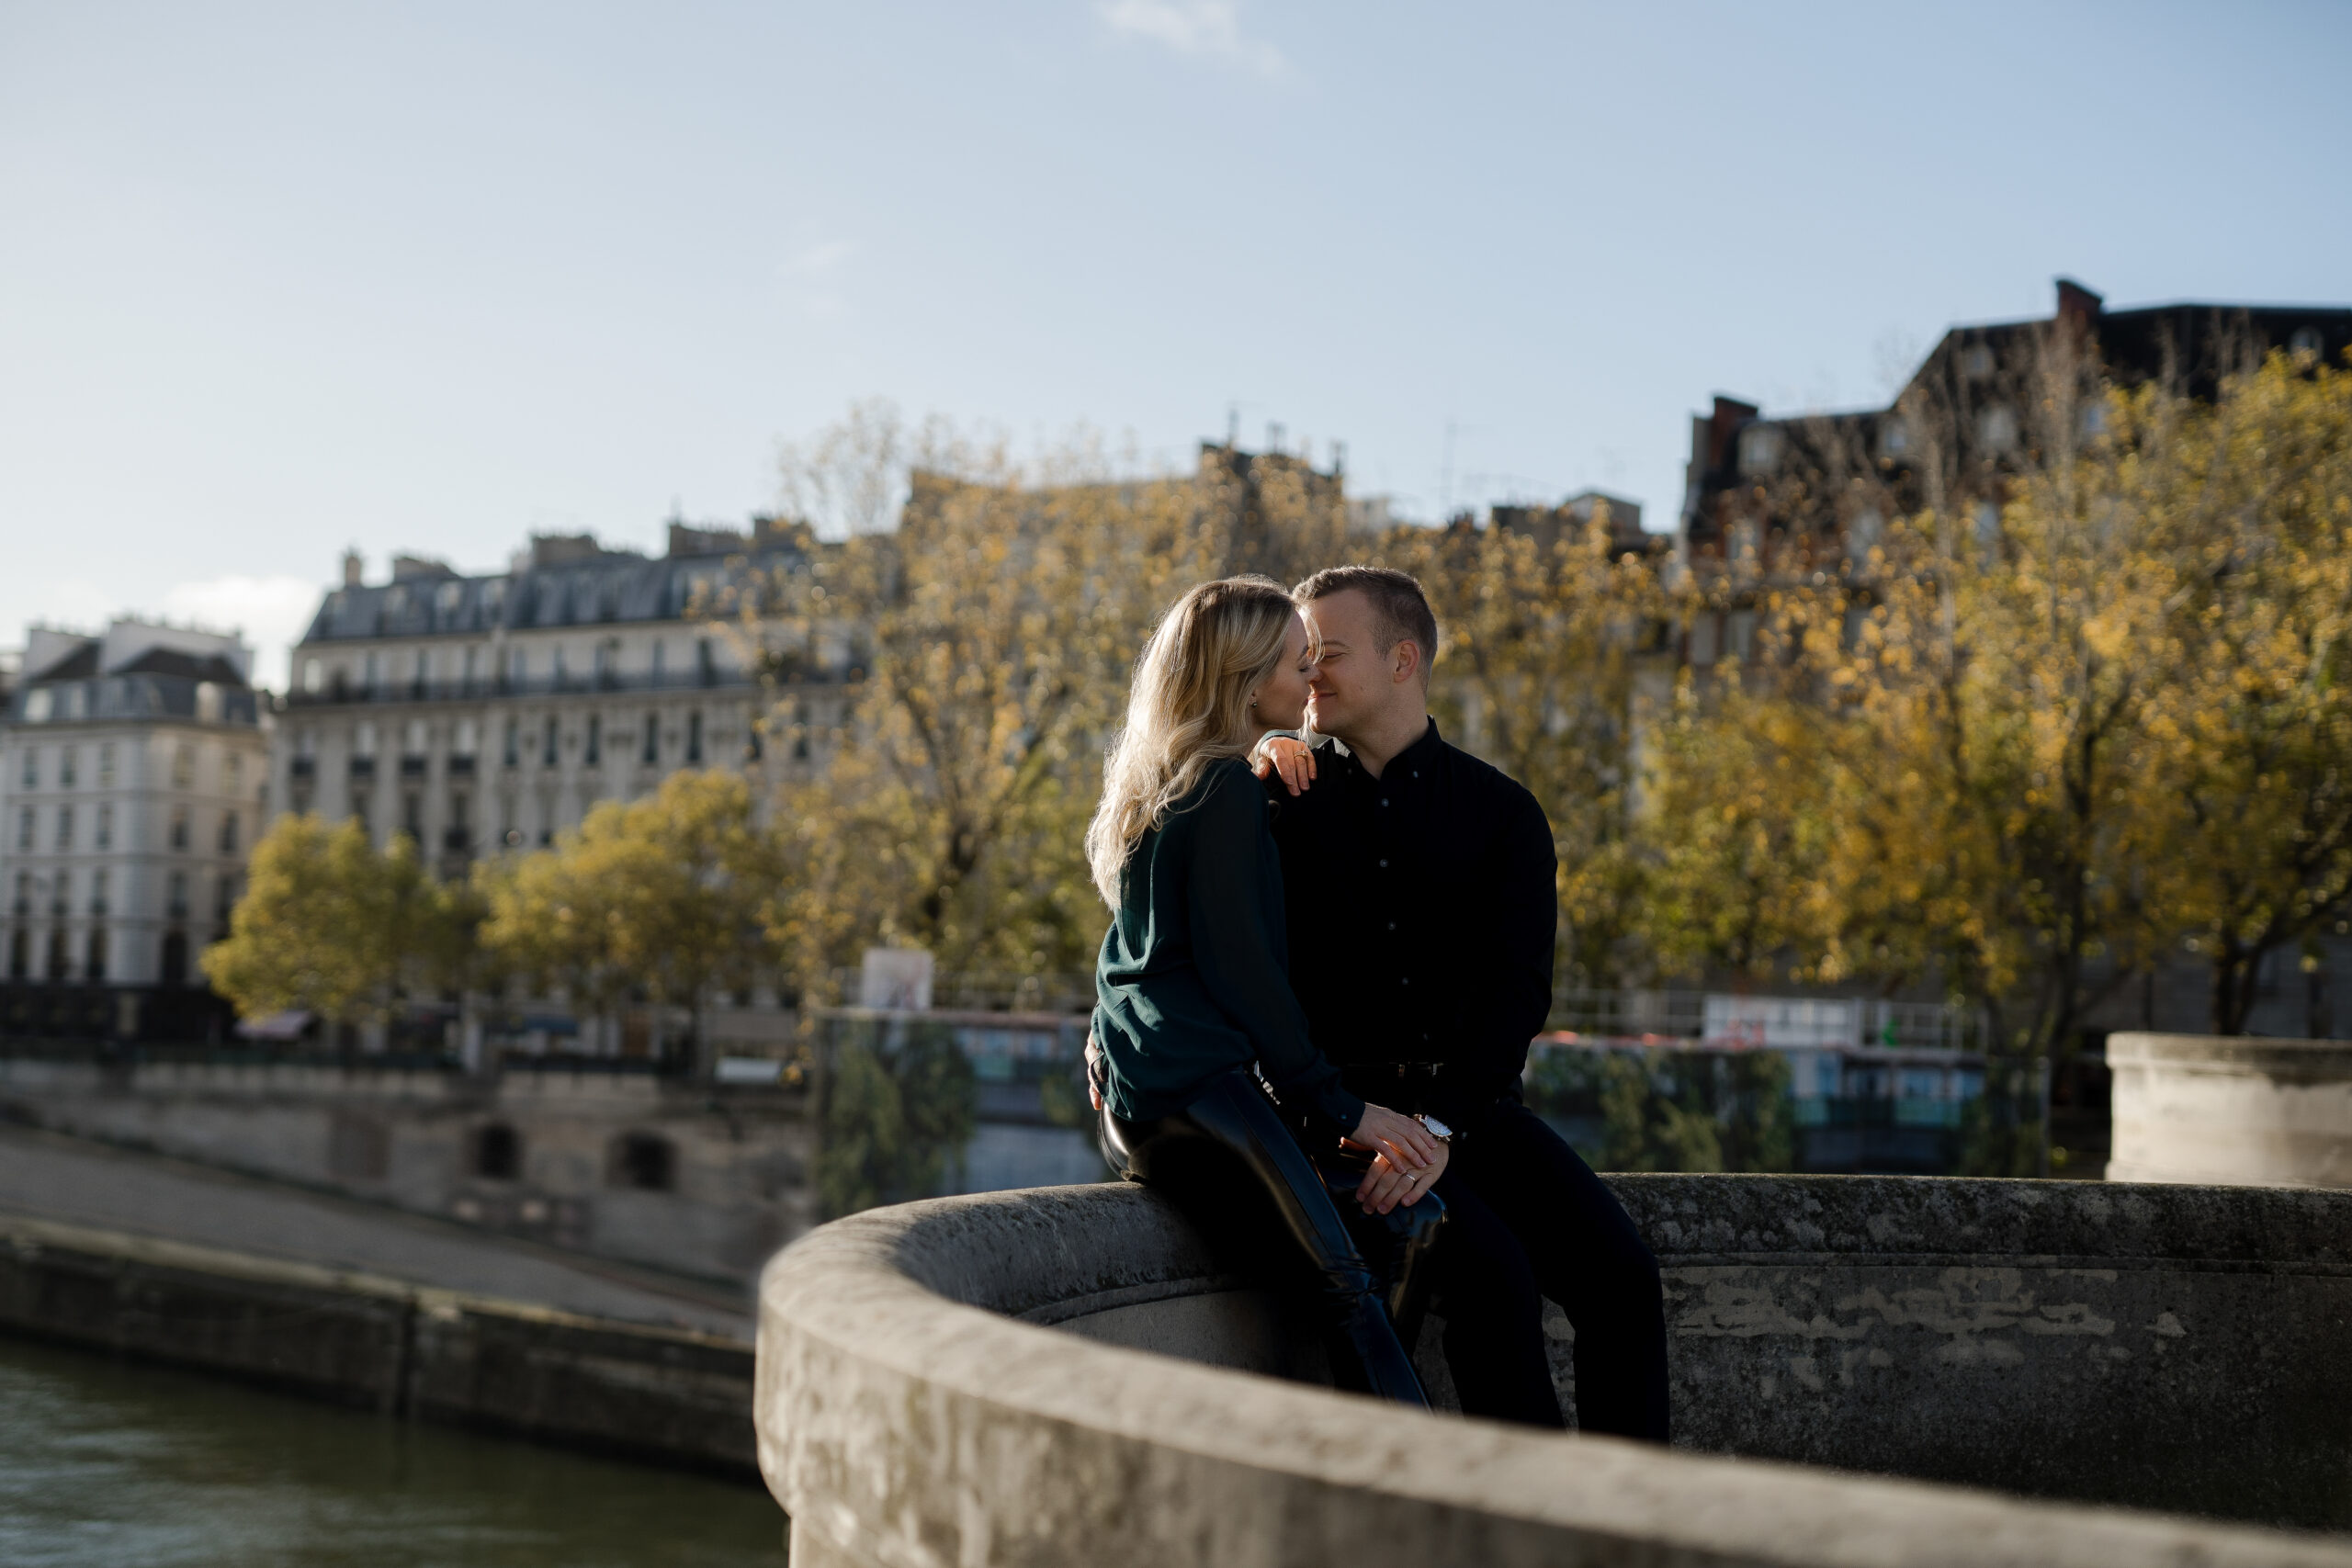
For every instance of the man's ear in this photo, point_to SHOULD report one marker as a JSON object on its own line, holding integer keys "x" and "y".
{"x": 1404, "y": 662}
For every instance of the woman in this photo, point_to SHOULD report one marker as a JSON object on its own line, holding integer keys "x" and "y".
{"x": 1192, "y": 987}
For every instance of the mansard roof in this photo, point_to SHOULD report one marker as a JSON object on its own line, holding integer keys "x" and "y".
{"x": 609, "y": 587}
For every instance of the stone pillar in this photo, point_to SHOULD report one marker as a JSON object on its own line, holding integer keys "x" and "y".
{"x": 2232, "y": 1110}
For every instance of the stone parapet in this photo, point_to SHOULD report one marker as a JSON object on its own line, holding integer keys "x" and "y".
{"x": 2232, "y": 1110}
{"x": 966, "y": 1380}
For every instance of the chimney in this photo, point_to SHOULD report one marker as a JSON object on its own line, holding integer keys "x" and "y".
{"x": 1729, "y": 415}
{"x": 352, "y": 568}
{"x": 2077, "y": 303}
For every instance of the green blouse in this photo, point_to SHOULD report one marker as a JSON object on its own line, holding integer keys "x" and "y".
{"x": 1194, "y": 979}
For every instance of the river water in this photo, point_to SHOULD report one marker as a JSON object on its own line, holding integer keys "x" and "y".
{"x": 104, "y": 1463}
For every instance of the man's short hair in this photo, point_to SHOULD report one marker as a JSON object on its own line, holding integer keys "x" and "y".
{"x": 1400, "y": 609}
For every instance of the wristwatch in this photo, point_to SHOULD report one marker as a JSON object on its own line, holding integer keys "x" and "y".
{"x": 1437, "y": 1129}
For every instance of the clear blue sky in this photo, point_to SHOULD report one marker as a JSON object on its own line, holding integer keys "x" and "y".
{"x": 279, "y": 279}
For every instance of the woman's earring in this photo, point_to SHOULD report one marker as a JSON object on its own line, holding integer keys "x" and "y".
{"x": 1254, "y": 702}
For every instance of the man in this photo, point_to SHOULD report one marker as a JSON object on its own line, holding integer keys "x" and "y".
{"x": 1423, "y": 913}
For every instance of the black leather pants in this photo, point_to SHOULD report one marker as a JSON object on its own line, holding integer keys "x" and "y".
{"x": 1229, "y": 1147}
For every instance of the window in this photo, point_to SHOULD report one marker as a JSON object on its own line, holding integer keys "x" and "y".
{"x": 372, "y": 674}
{"x": 59, "y": 968}
{"x": 645, "y": 1161}
{"x": 419, "y": 739}
{"x": 548, "y": 745}
{"x": 1977, "y": 361}
{"x": 20, "y": 954}
{"x": 2306, "y": 341}
{"x": 65, "y": 768}
{"x": 706, "y": 662}
{"x": 1996, "y": 428}
{"x": 1988, "y": 525}
{"x": 61, "y": 894}
{"x": 229, "y": 833}
{"x": 658, "y": 652}
{"x": 175, "y": 958}
{"x": 94, "y": 959}
{"x": 596, "y": 752}
{"x": 557, "y": 674}
{"x": 180, "y": 827}
{"x": 498, "y": 1153}
{"x": 224, "y": 896}
{"x": 514, "y": 753}
{"x": 518, "y": 667}
{"x": 465, "y": 739}
{"x": 363, "y": 740}
{"x": 32, "y": 767}
{"x": 1894, "y": 439}
{"x": 207, "y": 702}
{"x": 694, "y": 739}
{"x": 1759, "y": 449}
{"x": 472, "y": 660}
{"x": 184, "y": 768}
{"x": 98, "y": 890}
{"x": 64, "y": 827}
{"x": 652, "y": 751}
{"x": 106, "y": 766}
{"x": 25, "y": 828}
{"x": 106, "y": 828}
{"x": 2093, "y": 420}
{"x": 314, "y": 676}
{"x": 412, "y": 815}
{"x": 233, "y": 772}
{"x": 176, "y": 904}
{"x": 1862, "y": 535}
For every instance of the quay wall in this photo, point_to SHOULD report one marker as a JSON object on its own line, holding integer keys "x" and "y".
{"x": 701, "y": 1178}
{"x": 2231, "y": 1110}
{"x": 1060, "y": 1376}
{"x": 670, "y": 1396}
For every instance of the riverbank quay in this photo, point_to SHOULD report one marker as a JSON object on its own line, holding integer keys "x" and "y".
{"x": 1063, "y": 1377}
{"x": 661, "y": 1396}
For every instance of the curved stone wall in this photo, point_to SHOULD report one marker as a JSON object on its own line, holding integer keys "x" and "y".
{"x": 962, "y": 1381}
{"x": 2210, "y": 1108}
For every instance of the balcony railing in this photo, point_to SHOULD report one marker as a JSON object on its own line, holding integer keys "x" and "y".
{"x": 716, "y": 676}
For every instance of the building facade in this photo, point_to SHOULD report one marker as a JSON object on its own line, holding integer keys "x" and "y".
{"x": 1812, "y": 493}
{"x": 133, "y": 777}
{"x": 482, "y": 713}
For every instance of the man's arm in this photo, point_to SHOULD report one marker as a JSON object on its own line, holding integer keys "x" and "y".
{"x": 1508, "y": 990}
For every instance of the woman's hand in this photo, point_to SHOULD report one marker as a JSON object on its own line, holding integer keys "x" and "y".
{"x": 1402, "y": 1140}
{"x": 1287, "y": 755}
{"x": 1385, "y": 1185}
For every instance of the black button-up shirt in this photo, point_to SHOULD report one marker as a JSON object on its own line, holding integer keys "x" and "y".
{"x": 1422, "y": 910}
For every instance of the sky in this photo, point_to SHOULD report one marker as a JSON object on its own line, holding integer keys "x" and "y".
{"x": 278, "y": 280}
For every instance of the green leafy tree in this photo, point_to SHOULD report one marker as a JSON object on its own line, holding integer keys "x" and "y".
{"x": 329, "y": 924}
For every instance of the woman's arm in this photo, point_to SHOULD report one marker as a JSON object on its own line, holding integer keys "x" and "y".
{"x": 1229, "y": 850}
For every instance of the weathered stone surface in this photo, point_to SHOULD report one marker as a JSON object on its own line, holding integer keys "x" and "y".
{"x": 2222, "y": 1109}
{"x": 908, "y": 1414}
{"x": 666, "y": 1396}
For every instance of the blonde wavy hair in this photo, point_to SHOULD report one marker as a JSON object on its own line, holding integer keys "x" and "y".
{"x": 1189, "y": 706}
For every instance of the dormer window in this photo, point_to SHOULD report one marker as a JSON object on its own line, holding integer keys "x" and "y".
{"x": 2305, "y": 340}
{"x": 1996, "y": 428}
{"x": 1759, "y": 449}
{"x": 1894, "y": 439}
{"x": 1977, "y": 361}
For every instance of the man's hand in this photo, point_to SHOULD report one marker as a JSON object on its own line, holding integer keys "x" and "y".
{"x": 1093, "y": 1071}
{"x": 1287, "y": 755}
{"x": 1400, "y": 1140}
{"x": 1386, "y": 1185}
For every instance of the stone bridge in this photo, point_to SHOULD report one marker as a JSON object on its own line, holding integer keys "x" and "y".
{"x": 1066, "y": 1376}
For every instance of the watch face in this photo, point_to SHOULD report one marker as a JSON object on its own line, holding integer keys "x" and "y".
{"x": 1437, "y": 1129}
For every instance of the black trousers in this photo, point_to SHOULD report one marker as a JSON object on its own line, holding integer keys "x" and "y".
{"x": 1526, "y": 1218}
{"x": 1231, "y": 1163}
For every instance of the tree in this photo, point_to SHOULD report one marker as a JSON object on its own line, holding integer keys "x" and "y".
{"x": 898, "y": 1100}
{"x": 664, "y": 896}
{"x": 2250, "y": 841}
{"x": 331, "y": 925}
{"x": 998, "y": 625}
